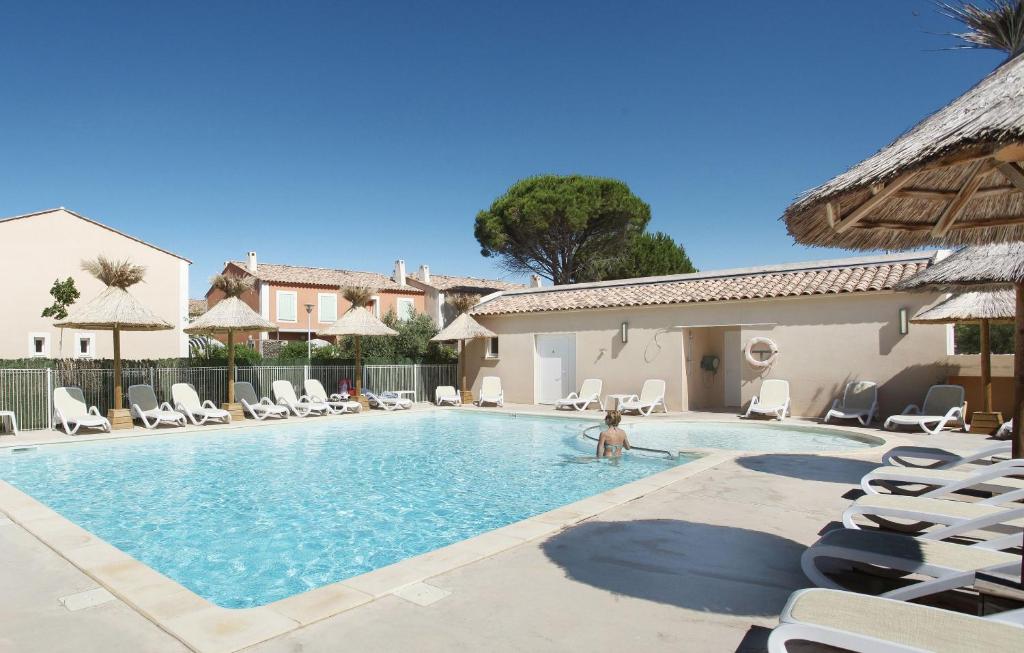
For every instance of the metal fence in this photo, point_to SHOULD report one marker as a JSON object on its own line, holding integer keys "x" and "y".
{"x": 28, "y": 392}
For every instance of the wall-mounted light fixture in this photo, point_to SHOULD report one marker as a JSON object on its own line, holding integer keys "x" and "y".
{"x": 904, "y": 322}
{"x": 624, "y": 331}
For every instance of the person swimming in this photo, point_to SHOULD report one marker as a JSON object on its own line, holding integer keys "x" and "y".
{"x": 613, "y": 439}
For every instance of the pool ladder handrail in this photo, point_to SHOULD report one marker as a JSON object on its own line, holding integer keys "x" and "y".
{"x": 587, "y": 436}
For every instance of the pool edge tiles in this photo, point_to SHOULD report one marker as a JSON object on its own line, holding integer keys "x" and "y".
{"x": 208, "y": 628}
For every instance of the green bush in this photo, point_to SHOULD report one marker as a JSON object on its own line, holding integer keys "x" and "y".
{"x": 215, "y": 356}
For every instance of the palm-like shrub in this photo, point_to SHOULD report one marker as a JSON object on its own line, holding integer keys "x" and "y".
{"x": 358, "y": 295}
{"x": 119, "y": 274}
{"x": 231, "y": 286}
{"x": 1000, "y": 26}
{"x": 461, "y": 302}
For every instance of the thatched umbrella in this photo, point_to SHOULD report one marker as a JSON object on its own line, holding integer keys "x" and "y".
{"x": 116, "y": 310}
{"x": 461, "y": 329}
{"x": 981, "y": 308}
{"x": 229, "y": 315}
{"x": 358, "y": 322}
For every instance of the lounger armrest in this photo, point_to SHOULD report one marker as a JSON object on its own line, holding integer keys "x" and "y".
{"x": 307, "y": 399}
{"x": 265, "y": 401}
{"x": 167, "y": 406}
{"x": 754, "y": 400}
{"x": 93, "y": 410}
{"x": 911, "y": 409}
{"x": 337, "y": 396}
{"x": 956, "y": 412}
{"x": 835, "y": 405}
{"x": 208, "y": 403}
{"x": 572, "y": 395}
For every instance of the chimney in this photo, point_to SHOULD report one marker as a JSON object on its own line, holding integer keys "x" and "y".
{"x": 400, "y": 272}
{"x": 535, "y": 281}
{"x": 252, "y": 263}
{"x": 425, "y": 274}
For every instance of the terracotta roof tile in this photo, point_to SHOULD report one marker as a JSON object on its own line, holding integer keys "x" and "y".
{"x": 446, "y": 282}
{"x": 304, "y": 276}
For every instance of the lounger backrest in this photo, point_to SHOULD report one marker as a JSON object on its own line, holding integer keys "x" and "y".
{"x": 315, "y": 389}
{"x": 245, "y": 392}
{"x": 653, "y": 390}
{"x": 444, "y": 391}
{"x": 143, "y": 397}
{"x": 186, "y": 396}
{"x": 490, "y": 386}
{"x": 284, "y": 390}
{"x": 591, "y": 388}
{"x": 860, "y": 395}
{"x": 70, "y": 402}
{"x": 941, "y": 398}
{"x": 774, "y": 392}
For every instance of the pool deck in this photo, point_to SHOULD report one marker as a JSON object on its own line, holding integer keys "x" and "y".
{"x": 701, "y": 557}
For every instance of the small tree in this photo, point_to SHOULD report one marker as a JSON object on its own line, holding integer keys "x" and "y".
{"x": 64, "y": 294}
{"x": 645, "y": 255}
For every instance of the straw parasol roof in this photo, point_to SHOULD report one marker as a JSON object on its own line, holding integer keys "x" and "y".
{"x": 230, "y": 314}
{"x": 114, "y": 308}
{"x": 994, "y": 306}
{"x": 464, "y": 327}
{"x": 981, "y": 267}
{"x": 954, "y": 178}
{"x": 358, "y": 321}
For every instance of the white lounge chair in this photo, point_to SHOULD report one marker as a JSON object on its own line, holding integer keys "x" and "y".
{"x": 387, "y": 400}
{"x": 937, "y": 566}
{"x": 936, "y": 458}
{"x": 446, "y": 395}
{"x": 652, "y": 395}
{"x": 872, "y": 624}
{"x": 145, "y": 407}
{"x": 70, "y": 409}
{"x": 258, "y": 407}
{"x": 186, "y": 400}
{"x": 590, "y": 393}
{"x": 772, "y": 400}
{"x": 338, "y": 403}
{"x": 997, "y": 478}
{"x": 1005, "y": 430}
{"x": 299, "y": 406}
{"x": 859, "y": 402}
{"x": 943, "y": 404}
{"x": 491, "y": 392}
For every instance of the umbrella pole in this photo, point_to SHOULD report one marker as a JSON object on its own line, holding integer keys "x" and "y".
{"x": 231, "y": 366}
{"x": 986, "y": 366}
{"x": 359, "y": 375}
{"x": 462, "y": 365}
{"x": 1018, "y": 373}
{"x": 118, "y": 401}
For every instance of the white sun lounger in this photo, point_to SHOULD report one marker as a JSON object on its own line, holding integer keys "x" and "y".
{"x": 859, "y": 402}
{"x": 936, "y": 458}
{"x": 652, "y": 395}
{"x": 144, "y": 407}
{"x": 939, "y": 566}
{"x": 773, "y": 399}
{"x": 446, "y": 395}
{"x": 338, "y": 403}
{"x": 943, "y": 404}
{"x": 258, "y": 407}
{"x": 491, "y": 392}
{"x": 70, "y": 409}
{"x": 299, "y": 406}
{"x": 590, "y": 393}
{"x": 387, "y": 400}
{"x": 872, "y": 624}
{"x": 186, "y": 400}
{"x": 997, "y": 478}
{"x": 1005, "y": 430}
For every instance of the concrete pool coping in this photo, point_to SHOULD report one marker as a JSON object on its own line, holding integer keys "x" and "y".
{"x": 203, "y": 626}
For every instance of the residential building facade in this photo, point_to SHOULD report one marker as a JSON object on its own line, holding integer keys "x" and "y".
{"x": 436, "y": 287}
{"x": 39, "y": 248}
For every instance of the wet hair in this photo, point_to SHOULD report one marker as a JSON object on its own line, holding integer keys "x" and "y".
{"x": 612, "y": 418}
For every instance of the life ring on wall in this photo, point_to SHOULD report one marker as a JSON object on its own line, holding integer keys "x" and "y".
{"x": 749, "y": 352}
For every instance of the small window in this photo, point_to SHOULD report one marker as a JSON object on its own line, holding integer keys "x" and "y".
{"x": 85, "y": 345}
{"x": 492, "y": 348}
{"x": 327, "y": 307}
{"x": 374, "y": 306}
{"x": 39, "y": 345}
{"x": 406, "y": 308}
{"x": 287, "y": 305}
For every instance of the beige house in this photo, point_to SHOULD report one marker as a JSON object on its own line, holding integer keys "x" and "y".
{"x": 39, "y": 248}
{"x": 437, "y": 287}
{"x": 831, "y": 321}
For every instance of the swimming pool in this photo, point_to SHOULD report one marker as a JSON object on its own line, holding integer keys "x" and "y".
{"x": 244, "y": 517}
{"x": 765, "y": 437}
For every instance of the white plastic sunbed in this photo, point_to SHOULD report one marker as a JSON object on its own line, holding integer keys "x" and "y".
{"x": 446, "y": 395}
{"x": 258, "y": 407}
{"x": 299, "y": 406}
{"x": 1005, "y": 430}
{"x": 387, "y": 400}
{"x": 186, "y": 400}
{"x": 337, "y": 402}
{"x": 491, "y": 392}
{"x": 936, "y": 458}
{"x": 943, "y": 404}
{"x": 590, "y": 393}
{"x": 145, "y": 407}
{"x": 938, "y": 566}
{"x": 859, "y": 402}
{"x": 772, "y": 400}
{"x": 652, "y": 395}
{"x": 70, "y": 409}
{"x": 872, "y": 624}
{"x": 935, "y": 483}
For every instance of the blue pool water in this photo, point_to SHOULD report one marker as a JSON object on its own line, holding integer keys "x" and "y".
{"x": 245, "y": 517}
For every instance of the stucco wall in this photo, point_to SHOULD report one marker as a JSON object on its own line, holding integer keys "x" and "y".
{"x": 41, "y": 248}
{"x": 825, "y": 341}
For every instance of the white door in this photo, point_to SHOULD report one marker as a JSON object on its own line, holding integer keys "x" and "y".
{"x": 555, "y": 367}
{"x": 731, "y": 369}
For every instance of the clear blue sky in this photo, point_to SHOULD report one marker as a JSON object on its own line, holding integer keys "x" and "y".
{"x": 350, "y": 134}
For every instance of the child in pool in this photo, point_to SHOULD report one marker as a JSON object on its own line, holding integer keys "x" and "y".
{"x": 613, "y": 439}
